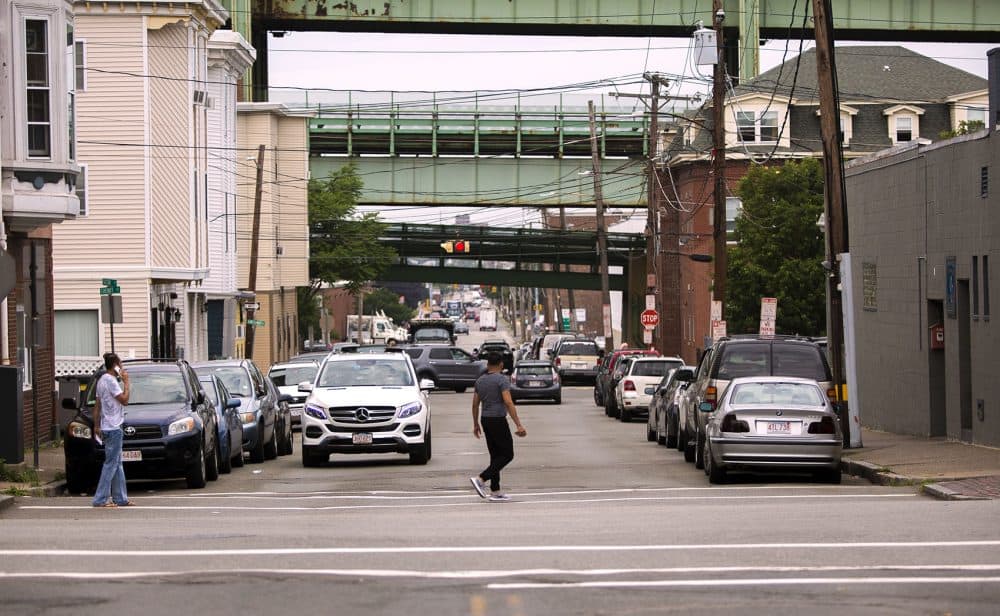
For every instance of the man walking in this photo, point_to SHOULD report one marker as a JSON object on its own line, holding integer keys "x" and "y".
{"x": 110, "y": 399}
{"x": 493, "y": 392}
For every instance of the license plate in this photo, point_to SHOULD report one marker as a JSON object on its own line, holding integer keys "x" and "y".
{"x": 779, "y": 427}
{"x": 534, "y": 383}
{"x": 362, "y": 438}
{"x": 579, "y": 366}
{"x": 296, "y": 413}
{"x": 131, "y": 455}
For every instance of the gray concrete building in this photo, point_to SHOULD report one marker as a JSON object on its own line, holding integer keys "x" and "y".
{"x": 924, "y": 233}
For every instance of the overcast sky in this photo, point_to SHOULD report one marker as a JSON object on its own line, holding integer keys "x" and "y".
{"x": 326, "y": 64}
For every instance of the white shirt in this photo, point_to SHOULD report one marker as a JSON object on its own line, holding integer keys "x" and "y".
{"x": 112, "y": 411}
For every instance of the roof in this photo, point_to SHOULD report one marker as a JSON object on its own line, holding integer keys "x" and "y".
{"x": 883, "y": 72}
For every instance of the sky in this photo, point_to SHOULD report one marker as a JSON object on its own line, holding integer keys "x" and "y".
{"x": 322, "y": 66}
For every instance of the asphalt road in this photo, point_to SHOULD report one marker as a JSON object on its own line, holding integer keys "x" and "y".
{"x": 602, "y": 522}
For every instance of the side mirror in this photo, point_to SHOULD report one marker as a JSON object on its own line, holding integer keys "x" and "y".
{"x": 650, "y": 390}
{"x": 305, "y": 387}
{"x": 233, "y": 403}
{"x": 426, "y": 384}
{"x": 284, "y": 398}
{"x": 706, "y": 407}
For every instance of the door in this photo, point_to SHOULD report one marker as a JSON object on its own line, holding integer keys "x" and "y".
{"x": 965, "y": 360}
{"x": 215, "y": 317}
{"x": 466, "y": 368}
{"x": 443, "y": 364}
{"x": 936, "y": 377}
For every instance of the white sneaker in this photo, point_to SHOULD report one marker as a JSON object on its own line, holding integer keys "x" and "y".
{"x": 477, "y": 483}
{"x": 499, "y": 497}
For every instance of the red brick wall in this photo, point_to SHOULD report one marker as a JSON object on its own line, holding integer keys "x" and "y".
{"x": 339, "y": 303}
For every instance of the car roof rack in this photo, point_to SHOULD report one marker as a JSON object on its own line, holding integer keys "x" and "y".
{"x": 738, "y": 337}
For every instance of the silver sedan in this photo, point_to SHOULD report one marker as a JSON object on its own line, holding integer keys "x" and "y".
{"x": 773, "y": 423}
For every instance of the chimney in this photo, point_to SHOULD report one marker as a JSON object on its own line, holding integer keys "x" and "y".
{"x": 993, "y": 74}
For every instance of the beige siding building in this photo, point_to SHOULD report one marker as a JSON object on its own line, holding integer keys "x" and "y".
{"x": 142, "y": 126}
{"x": 283, "y": 239}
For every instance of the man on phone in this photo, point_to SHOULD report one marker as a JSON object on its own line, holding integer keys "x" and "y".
{"x": 110, "y": 399}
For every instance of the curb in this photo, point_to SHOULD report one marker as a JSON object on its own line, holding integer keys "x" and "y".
{"x": 941, "y": 492}
{"x": 876, "y": 474}
{"x": 6, "y": 501}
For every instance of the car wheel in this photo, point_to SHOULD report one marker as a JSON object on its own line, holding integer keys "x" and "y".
{"x": 699, "y": 451}
{"x": 257, "y": 453}
{"x": 671, "y": 438}
{"x": 609, "y": 407}
{"x": 310, "y": 459}
{"x": 290, "y": 443}
{"x": 420, "y": 454}
{"x": 830, "y": 475}
{"x": 196, "y": 472}
{"x": 650, "y": 433}
{"x": 682, "y": 439}
{"x": 460, "y": 390}
{"x": 597, "y": 398}
{"x": 238, "y": 458}
{"x": 271, "y": 448}
{"x": 716, "y": 474}
{"x": 212, "y": 466}
{"x": 625, "y": 415}
{"x": 225, "y": 463}
{"x": 688, "y": 449}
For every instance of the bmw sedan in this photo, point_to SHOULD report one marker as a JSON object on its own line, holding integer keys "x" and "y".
{"x": 772, "y": 423}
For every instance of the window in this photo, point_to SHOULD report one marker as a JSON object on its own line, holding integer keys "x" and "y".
{"x": 24, "y": 346}
{"x": 904, "y": 129}
{"x": 71, "y": 91}
{"x": 769, "y": 126}
{"x": 77, "y": 333}
{"x": 81, "y": 189}
{"x": 975, "y": 287}
{"x": 80, "y": 65}
{"x": 745, "y": 125}
{"x": 975, "y": 115}
{"x": 39, "y": 121}
{"x": 986, "y": 286}
{"x": 733, "y": 208}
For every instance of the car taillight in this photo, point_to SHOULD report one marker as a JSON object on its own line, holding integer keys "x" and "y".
{"x": 628, "y": 386}
{"x": 731, "y": 424}
{"x": 711, "y": 395}
{"x": 824, "y": 426}
{"x": 558, "y": 362}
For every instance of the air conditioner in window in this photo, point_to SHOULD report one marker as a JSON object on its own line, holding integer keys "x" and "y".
{"x": 200, "y": 97}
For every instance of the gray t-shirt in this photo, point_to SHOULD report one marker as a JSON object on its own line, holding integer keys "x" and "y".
{"x": 490, "y": 388}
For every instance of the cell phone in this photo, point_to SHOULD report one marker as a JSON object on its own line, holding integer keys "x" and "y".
{"x": 118, "y": 370}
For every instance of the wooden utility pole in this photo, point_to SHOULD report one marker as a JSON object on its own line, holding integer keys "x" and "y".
{"x": 835, "y": 198}
{"x": 254, "y": 248}
{"x": 652, "y": 204}
{"x": 719, "y": 157}
{"x": 566, "y": 267}
{"x": 602, "y": 237}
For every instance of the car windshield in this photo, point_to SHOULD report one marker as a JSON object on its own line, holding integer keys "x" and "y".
{"x": 578, "y": 348}
{"x": 156, "y": 388}
{"x": 292, "y": 375}
{"x": 431, "y": 333}
{"x": 802, "y": 394}
{"x": 534, "y": 371}
{"x": 365, "y": 373}
{"x": 210, "y": 392}
{"x": 236, "y": 380}
{"x": 653, "y": 368}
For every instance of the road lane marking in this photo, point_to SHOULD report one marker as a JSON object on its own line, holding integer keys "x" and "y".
{"x": 502, "y": 573}
{"x": 762, "y": 582}
{"x": 477, "y": 502}
{"x": 503, "y": 548}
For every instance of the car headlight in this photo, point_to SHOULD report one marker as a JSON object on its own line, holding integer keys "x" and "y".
{"x": 248, "y": 417}
{"x": 79, "y": 430}
{"x": 409, "y": 410}
{"x": 315, "y": 411}
{"x": 181, "y": 426}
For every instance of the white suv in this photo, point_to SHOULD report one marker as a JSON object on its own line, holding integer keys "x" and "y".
{"x": 371, "y": 403}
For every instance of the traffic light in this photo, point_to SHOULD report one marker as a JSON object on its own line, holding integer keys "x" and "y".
{"x": 452, "y": 246}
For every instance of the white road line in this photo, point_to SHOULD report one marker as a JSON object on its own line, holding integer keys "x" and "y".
{"x": 476, "y": 501}
{"x": 762, "y": 582}
{"x": 492, "y": 574}
{"x": 504, "y": 548}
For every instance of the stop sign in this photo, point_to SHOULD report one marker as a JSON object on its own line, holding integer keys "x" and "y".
{"x": 649, "y": 318}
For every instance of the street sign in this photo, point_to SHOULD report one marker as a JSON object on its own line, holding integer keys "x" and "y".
{"x": 111, "y": 308}
{"x": 718, "y": 329}
{"x": 768, "y": 315}
{"x": 109, "y": 282}
{"x": 105, "y": 291}
{"x": 251, "y": 306}
{"x": 255, "y": 322}
{"x": 649, "y": 318}
{"x": 647, "y": 336}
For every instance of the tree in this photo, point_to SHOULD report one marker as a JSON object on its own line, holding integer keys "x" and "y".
{"x": 344, "y": 246}
{"x": 780, "y": 250}
{"x": 965, "y": 127}
{"x": 388, "y": 302}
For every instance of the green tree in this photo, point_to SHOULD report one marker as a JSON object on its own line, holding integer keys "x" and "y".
{"x": 965, "y": 127}
{"x": 387, "y": 301}
{"x": 780, "y": 250}
{"x": 344, "y": 245}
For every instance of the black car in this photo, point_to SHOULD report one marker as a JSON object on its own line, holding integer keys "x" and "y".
{"x": 449, "y": 367}
{"x": 535, "y": 380}
{"x": 259, "y": 404}
{"x": 170, "y": 429}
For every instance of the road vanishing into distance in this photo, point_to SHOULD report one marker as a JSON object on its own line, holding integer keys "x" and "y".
{"x": 601, "y": 522}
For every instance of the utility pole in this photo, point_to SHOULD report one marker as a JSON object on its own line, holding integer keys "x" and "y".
{"x": 602, "y": 237}
{"x": 566, "y": 267}
{"x": 719, "y": 156}
{"x": 837, "y": 242}
{"x": 254, "y": 247}
{"x": 652, "y": 203}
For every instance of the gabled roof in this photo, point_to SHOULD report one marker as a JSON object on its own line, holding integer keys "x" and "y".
{"x": 881, "y": 72}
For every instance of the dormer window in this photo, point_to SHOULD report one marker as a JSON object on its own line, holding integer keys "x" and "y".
{"x": 904, "y": 123}
{"x": 904, "y": 129}
{"x": 846, "y": 123}
{"x": 756, "y": 127}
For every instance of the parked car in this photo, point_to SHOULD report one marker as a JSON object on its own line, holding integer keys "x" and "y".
{"x": 259, "y": 404}
{"x": 286, "y": 377}
{"x": 366, "y": 404}
{"x": 606, "y": 371}
{"x": 772, "y": 423}
{"x": 576, "y": 359}
{"x": 535, "y": 380}
{"x": 169, "y": 429}
{"x": 228, "y": 422}
{"x": 548, "y": 344}
{"x": 445, "y": 366}
{"x": 631, "y": 398}
{"x": 732, "y": 358}
{"x": 662, "y": 423}
{"x": 282, "y": 419}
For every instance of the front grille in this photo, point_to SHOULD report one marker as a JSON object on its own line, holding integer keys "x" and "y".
{"x": 353, "y": 429}
{"x": 348, "y": 414}
{"x": 142, "y": 432}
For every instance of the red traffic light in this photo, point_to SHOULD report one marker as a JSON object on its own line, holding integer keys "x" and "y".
{"x": 461, "y": 246}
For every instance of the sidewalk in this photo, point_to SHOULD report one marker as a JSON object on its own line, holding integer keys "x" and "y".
{"x": 940, "y": 468}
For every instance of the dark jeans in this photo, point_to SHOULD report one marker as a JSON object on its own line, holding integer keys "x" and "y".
{"x": 501, "y": 445}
